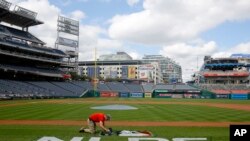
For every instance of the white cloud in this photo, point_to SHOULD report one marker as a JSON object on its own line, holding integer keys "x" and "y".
{"x": 190, "y": 57}
{"x": 243, "y": 48}
{"x": 90, "y": 39}
{"x": 135, "y": 55}
{"x": 168, "y": 21}
{"x": 132, "y": 2}
{"x": 77, "y": 15}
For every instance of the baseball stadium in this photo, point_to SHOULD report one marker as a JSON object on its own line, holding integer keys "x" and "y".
{"x": 46, "y": 94}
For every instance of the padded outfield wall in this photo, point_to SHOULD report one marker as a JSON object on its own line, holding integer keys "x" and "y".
{"x": 160, "y": 93}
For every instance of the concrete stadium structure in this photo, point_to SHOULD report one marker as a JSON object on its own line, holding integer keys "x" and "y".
{"x": 151, "y": 68}
{"x": 225, "y": 76}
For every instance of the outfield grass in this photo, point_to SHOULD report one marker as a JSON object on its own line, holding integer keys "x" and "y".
{"x": 33, "y": 133}
{"x": 146, "y": 112}
{"x": 79, "y": 109}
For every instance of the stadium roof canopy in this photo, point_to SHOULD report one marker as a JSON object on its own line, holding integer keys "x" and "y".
{"x": 18, "y": 16}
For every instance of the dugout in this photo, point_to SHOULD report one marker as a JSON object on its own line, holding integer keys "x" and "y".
{"x": 176, "y": 93}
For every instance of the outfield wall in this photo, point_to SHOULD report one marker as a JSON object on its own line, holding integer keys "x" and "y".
{"x": 168, "y": 94}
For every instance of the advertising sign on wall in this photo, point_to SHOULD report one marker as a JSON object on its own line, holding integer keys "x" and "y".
{"x": 177, "y": 96}
{"x": 148, "y": 95}
{"x": 239, "y": 96}
{"x": 191, "y": 96}
{"x": 108, "y": 94}
{"x": 136, "y": 95}
{"x": 124, "y": 72}
{"x": 146, "y": 71}
{"x": 223, "y": 96}
{"x": 143, "y": 74}
{"x": 124, "y": 94}
{"x": 162, "y": 95}
{"x": 131, "y": 72}
{"x": 161, "y": 91}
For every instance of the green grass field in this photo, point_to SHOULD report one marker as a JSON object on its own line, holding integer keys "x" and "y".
{"x": 150, "y": 110}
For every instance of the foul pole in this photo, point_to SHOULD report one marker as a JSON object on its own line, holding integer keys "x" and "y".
{"x": 95, "y": 80}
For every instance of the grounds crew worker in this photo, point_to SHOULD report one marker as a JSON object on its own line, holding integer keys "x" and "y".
{"x": 96, "y": 118}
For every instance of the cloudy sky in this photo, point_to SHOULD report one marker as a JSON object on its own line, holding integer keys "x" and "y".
{"x": 184, "y": 30}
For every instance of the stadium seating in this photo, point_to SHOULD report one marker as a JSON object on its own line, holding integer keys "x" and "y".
{"x": 46, "y": 89}
{"x": 103, "y": 87}
{"x": 19, "y": 34}
{"x": 58, "y": 91}
{"x": 148, "y": 87}
{"x": 117, "y": 87}
{"x": 22, "y": 89}
{"x": 184, "y": 87}
{"x": 83, "y": 84}
{"x": 44, "y": 72}
{"x": 226, "y": 88}
{"x": 77, "y": 90}
{"x": 134, "y": 87}
{"x": 161, "y": 86}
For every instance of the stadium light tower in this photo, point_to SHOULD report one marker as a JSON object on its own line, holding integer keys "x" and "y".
{"x": 68, "y": 39}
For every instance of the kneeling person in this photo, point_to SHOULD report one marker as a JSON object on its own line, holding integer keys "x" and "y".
{"x": 96, "y": 118}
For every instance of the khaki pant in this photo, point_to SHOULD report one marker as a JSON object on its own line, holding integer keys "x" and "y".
{"x": 92, "y": 127}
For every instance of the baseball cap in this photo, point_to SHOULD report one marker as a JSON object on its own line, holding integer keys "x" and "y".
{"x": 108, "y": 116}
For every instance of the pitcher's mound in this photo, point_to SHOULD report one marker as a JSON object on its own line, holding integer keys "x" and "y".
{"x": 115, "y": 107}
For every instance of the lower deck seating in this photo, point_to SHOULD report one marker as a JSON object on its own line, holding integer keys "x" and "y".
{"x": 22, "y": 89}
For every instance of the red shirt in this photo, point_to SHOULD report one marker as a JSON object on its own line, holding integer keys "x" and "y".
{"x": 97, "y": 117}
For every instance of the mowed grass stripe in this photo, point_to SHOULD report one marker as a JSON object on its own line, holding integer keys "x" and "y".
{"x": 12, "y": 112}
{"x": 44, "y": 111}
{"x": 167, "y": 112}
{"x": 33, "y": 133}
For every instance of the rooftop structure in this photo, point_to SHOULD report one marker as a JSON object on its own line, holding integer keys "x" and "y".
{"x": 171, "y": 71}
{"x": 18, "y": 16}
{"x": 118, "y": 56}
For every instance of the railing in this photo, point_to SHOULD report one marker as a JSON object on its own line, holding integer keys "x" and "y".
{"x": 44, "y": 59}
{"x": 25, "y": 12}
{"x": 4, "y": 4}
{"x": 24, "y": 45}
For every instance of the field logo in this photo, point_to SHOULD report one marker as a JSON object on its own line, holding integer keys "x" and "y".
{"x": 129, "y": 139}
